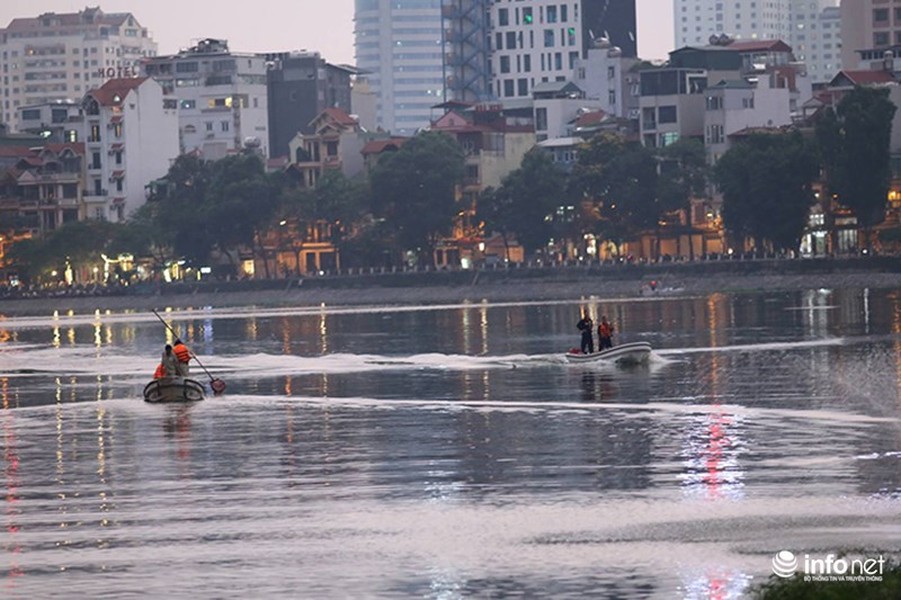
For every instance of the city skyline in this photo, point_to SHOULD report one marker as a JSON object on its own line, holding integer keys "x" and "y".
{"x": 247, "y": 31}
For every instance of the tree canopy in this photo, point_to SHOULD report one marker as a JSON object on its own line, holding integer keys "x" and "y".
{"x": 414, "y": 190}
{"x": 766, "y": 181}
{"x": 854, "y": 143}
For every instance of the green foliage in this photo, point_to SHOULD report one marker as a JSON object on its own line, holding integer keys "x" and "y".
{"x": 766, "y": 181}
{"x": 683, "y": 173}
{"x": 854, "y": 144}
{"x": 526, "y": 201}
{"x": 621, "y": 177}
{"x": 79, "y": 244}
{"x": 414, "y": 190}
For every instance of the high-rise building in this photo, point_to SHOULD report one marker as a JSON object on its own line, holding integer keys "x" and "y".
{"x": 808, "y": 26}
{"x": 62, "y": 56}
{"x": 399, "y": 49}
{"x": 525, "y": 43}
{"x": 868, "y": 25}
{"x": 222, "y": 97}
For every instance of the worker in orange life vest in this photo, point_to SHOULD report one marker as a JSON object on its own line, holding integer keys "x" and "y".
{"x": 605, "y": 333}
{"x": 168, "y": 366}
{"x": 183, "y": 355}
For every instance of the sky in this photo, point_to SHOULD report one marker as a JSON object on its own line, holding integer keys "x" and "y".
{"x": 325, "y": 26}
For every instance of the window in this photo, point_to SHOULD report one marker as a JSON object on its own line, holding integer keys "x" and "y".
{"x": 503, "y": 17}
{"x": 527, "y": 63}
{"x": 522, "y": 86}
{"x": 118, "y": 158}
{"x": 714, "y": 103}
{"x": 666, "y": 114}
{"x": 511, "y": 40}
{"x": 527, "y": 15}
{"x": 95, "y": 160}
{"x": 187, "y": 104}
{"x": 540, "y": 119}
{"x": 505, "y": 64}
{"x": 224, "y": 125}
{"x": 508, "y": 88}
{"x": 548, "y": 38}
{"x": 551, "y": 14}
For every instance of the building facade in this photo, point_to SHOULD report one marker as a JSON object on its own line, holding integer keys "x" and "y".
{"x": 60, "y": 56}
{"x": 130, "y": 135}
{"x": 869, "y": 25}
{"x": 543, "y": 40}
{"x": 302, "y": 85}
{"x": 222, "y": 97}
{"x": 399, "y": 48}
{"x": 811, "y": 27}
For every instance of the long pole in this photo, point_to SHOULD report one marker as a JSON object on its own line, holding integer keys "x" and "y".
{"x": 217, "y": 384}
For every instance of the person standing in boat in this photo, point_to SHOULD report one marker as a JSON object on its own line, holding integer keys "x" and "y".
{"x": 183, "y": 356}
{"x": 168, "y": 366}
{"x": 585, "y": 325}
{"x": 605, "y": 334}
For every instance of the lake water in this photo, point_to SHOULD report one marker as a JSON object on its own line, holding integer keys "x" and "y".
{"x": 449, "y": 451}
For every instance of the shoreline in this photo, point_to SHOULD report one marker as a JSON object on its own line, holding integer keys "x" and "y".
{"x": 554, "y": 289}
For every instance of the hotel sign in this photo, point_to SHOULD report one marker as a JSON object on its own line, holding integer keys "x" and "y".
{"x": 118, "y": 72}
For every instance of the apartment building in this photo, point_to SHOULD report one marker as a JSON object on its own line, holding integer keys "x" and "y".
{"x": 399, "y": 48}
{"x": 301, "y": 86}
{"x": 222, "y": 97}
{"x": 60, "y": 56}
{"x": 869, "y": 25}
{"x": 810, "y": 27}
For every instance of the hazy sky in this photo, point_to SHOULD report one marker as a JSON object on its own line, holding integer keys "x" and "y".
{"x": 282, "y": 25}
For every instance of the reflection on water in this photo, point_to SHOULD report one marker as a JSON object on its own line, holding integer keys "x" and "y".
{"x": 450, "y": 451}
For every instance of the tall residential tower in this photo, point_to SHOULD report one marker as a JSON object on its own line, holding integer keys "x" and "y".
{"x": 399, "y": 52}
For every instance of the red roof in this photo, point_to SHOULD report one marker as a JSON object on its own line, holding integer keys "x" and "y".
{"x": 379, "y": 146}
{"x": 108, "y": 93}
{"x": 340, "y": 116}
{"x": 865, "y": 77}
{"x": 590, "y": 118}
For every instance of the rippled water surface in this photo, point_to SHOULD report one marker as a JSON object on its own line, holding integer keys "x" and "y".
{"x": 449, "y": 451}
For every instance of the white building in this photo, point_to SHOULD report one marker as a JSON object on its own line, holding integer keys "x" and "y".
{"x": 532, "y": 43}
{"x": 399, "y": 50}
{"x": 222, "y": 97}
{"x": 61, "y": 56}
{"x": 557, "y": 104}
{"x": 808, "y": 26}
{"x": 607, "y": 76}
{"x": 130, "y": 132}
{"x": 733, "y": 106}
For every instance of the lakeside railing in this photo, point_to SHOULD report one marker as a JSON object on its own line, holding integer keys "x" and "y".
{"x": 408, "y": 276}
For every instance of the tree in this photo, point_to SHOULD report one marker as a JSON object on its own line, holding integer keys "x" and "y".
{"x": 526, "y": 201}
{"x": 336, "y": 202}
{"x": 854, "y": 142}
{"x": 683, "y": 174}
{"x": 414, "y": 190}
{"x": 766, "y": 181}
{"x": 621, "y": 178}
{"x": 240, "y": 202}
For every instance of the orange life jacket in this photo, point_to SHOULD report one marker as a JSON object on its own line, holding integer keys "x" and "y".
{"x": 182, "y": 353}
{"x": 605, "y": 330}
{"x": 160, "y": 371}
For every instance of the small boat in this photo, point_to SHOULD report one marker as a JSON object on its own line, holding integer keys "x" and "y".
{"x": 173, "y": 389}
{"x": 632, "y": 353}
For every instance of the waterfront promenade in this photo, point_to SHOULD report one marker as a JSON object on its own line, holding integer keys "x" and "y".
{"x": 536, "y": 282}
